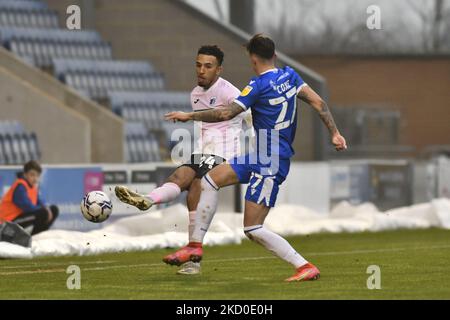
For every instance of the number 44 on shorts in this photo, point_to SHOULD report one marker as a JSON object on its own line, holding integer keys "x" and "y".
{"x": 210, "y": 161}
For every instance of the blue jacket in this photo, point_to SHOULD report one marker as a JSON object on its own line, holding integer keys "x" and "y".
{"x": 20, "y": 199}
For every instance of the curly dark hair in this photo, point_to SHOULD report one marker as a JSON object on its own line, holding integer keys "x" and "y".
{"x": 212, "y": 50}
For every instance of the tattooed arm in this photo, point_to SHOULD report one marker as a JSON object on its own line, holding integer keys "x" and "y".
{"x": 213, "y": 115}
{"x": 314, "y": 100}
{"x": 308, "y": 95}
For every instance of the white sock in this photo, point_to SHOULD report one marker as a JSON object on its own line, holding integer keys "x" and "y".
{"x": 206, "y": 208}
{"x": 167, "y": 192}
{"x": 191, "y": 224}
{"x": 275, "y": 244}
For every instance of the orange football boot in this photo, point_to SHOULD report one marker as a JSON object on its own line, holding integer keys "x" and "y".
{"x": 305, "y": 273}
{"x": 192, "y": 252}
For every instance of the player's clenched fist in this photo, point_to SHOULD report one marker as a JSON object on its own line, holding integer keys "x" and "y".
{"x": 339, "y": 142}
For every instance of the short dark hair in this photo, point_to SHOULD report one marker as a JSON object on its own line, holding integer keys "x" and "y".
{"x": 212, "y": 50}
{"x": 261, "y": 46}
{"x": 32, "y": 165}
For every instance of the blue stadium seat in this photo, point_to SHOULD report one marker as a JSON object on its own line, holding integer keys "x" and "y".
{"x": 135, "y": 128}
{"x": 16, "y": 145}
{"x": 99, "y": 77}
{"x": 132, "y": 67}
{"x": 28, "y": 18}
{"x": 149, "y": 108}
{"x": 23, "y": 146}
{"x": 44, "y": 45}
{"x": 9, "y": 149}
{"x": 22, "y": 4}
{"x": 83, "y": 61}
{"x": 140, "y": 145}
{"x": 42, "y": 34}
{"x": 33, "y": 146}
{"x": 175, "y": 100}
{"x": 3, "y": 158}
{"x": 154, "y": 149}
{"x": 133, "y": 155}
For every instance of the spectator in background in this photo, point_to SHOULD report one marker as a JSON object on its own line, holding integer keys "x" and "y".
{"x": 23, "y": 205}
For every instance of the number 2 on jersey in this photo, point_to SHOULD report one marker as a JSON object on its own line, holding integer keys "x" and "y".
{"x": 281, "y": 123}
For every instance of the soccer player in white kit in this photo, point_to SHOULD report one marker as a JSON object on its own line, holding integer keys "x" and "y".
{"x": 217, "y": 142}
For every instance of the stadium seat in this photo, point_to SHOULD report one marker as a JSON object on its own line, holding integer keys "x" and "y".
{"x": 42, "y": 34}
{"x": 16, "y": 145}
{"x": 99, "y": 77}
{"x": 9, "y": 150}
{"x": 44, "y": 45}
{"x": 84, "y": 61}
{"x": 33, "y": 146}
{"x": 135, "y": 128}
{"x": 114, "y": 66}
{"x": 25, "y": 17}
{"x": 23, "y": 147}
{"x": 3, "y": 159}
{"x": 149, "y": 109}
{"x": 22, "y": 4}
{"x": 173, "y": 100}
{"x": 140, "y": 144}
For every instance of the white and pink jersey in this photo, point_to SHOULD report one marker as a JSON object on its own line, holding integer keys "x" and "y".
{"x": 220, "y": 138}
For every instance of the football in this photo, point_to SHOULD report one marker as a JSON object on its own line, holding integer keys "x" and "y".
{"x": 96, "y": 206}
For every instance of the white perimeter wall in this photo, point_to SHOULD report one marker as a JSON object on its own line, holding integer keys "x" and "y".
{"x": 308, "y": 184}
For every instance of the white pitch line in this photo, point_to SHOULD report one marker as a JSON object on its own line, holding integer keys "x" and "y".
{"x": 332, "y": 253}
{"x": 49, "y": 264}
{"x": 32, "y": 272}
{"x": 335, "y": 253}
{"x": 445, "y": 246}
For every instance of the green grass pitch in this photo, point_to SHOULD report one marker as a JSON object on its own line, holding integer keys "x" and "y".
{"x": 414, "y": 264}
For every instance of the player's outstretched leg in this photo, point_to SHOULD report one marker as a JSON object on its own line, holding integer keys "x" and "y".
{"x": 178, "y": 181}
{"x": 132, "y": 198}
{"x": 254, "y": 217}
{"x": 221, "y": 176}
